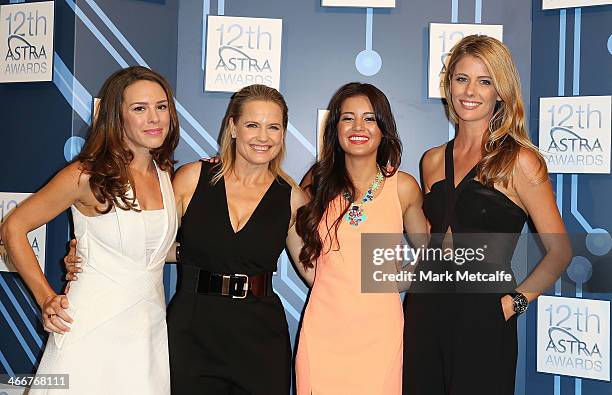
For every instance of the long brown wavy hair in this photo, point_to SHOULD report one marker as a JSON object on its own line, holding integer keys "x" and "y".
{"x": 105, "y": 157}
{"x": 234, "y": 111}
{"x": 507, "y": 131}
{"x": 329, "y": 175}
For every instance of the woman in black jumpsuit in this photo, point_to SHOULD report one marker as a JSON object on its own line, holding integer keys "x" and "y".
{"x": 227, "y": 328}
{"x": 219, "y": 341}
{"x": 460, "y": 338}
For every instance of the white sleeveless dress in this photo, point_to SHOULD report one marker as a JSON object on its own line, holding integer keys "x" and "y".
{"x": 118, "y": 341}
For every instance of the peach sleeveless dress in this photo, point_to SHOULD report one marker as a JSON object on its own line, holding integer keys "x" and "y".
{"x": 351, "y": 342}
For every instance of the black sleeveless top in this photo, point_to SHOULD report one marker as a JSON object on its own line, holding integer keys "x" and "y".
{"x": 209, "y": 242}
{"x": 471, "y": 207}
{"x": 478, "y": 216}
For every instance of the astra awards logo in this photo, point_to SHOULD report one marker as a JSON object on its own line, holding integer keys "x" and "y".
{"x": 568, "y": 350}
{"x": 575, "y": 134}
{"x": 574, "y": 337}
{"x": 27, "y": 42}
{"x": 358, "y": 3}
{"x": 37, "y": 238}
{"x": 241, "y": 52}
{"x": 442, "y": 38}
{"x": 555, "y": 4}
{"x": 19, "y": 49}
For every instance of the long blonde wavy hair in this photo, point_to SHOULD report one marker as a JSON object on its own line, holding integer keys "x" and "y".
{"x": 234, "y": 111}
{"x": 507, "y": 132}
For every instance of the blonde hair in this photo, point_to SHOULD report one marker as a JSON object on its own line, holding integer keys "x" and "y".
{"x": 507, "y": 131}
{"x": 234, "y": 111}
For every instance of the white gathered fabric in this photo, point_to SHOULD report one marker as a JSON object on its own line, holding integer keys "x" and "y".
{"x": 118, "y": 342}
{"x": 154, "y": 223}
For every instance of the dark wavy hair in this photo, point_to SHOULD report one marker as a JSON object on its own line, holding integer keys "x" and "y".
{"x": 329, "y": 176}
{"x": 105, "y": 156}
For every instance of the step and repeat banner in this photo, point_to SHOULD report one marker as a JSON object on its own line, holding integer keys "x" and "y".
{"x": 37, "y": 238}
{"x": 26, "y": 42}
{"x": 242, "y": 52}
{"x": 306, "y": 50}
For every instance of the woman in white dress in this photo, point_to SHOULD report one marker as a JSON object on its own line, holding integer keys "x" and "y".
{"x": 109, "y": 332}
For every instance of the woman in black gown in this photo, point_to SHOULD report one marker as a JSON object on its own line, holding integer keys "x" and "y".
{"x": 227, "y": 328}
{"x": 487, "y": 181}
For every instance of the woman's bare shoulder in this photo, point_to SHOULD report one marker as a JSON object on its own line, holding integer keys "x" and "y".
{"x": 433, "y": 157}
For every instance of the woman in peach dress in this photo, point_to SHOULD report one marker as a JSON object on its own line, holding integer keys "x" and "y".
{"x": 351, "y": 341}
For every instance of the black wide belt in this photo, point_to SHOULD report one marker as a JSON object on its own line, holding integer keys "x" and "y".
{"x": 236, "y": 285}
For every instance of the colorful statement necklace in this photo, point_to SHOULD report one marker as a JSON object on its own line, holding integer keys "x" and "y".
{"x": 355, "y": 214}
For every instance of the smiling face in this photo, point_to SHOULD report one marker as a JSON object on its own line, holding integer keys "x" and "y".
{"x": 473, "y": 94}
{"x": 258, "y": 132}
{"x": 358, "y": 131}
{"x": 145, "y": 116}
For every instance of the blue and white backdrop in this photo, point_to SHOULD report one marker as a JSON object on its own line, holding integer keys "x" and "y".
{"x": 559, "y": 52}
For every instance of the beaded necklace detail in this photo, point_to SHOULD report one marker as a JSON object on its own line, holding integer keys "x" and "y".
{"x": 355, "y": 214}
